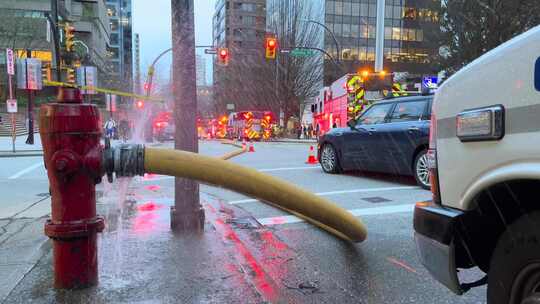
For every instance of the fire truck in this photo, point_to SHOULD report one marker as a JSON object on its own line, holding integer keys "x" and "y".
{"x": 345, "y": 99}
{"x": 209, "y": 128}
{"x": 250, "y": 125}
{"x": 338, "y": 103}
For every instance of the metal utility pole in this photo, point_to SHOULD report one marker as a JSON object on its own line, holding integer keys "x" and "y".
{"x": 187, "y": 213}
{"x": 30, "y": 107}
{"x": 56, "y": 39}
{"x": 379, "y": 39}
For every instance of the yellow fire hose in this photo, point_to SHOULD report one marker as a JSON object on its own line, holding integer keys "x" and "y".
{"x": 314, "y": 209}
{"x": 233, "y": 153}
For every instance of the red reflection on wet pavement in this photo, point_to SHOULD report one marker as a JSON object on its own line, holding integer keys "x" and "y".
{"x": 263, "y": 283}
{"x": 261, "y": 279}
{"x": 150, "y": 206}
{"x": 270, "y": 240}
{"x": 153, "y": 188}
{"x": 145, "y": 223}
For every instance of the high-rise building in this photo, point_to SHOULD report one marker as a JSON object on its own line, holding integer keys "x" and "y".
{"x": 137, "y": 64}
{"x": 120, "y": 48}
{"x": 409, "y": 43}
{"x": 239, "y": 25}
{"x": 24, "y": 26}
{"x": 201, "y": 70}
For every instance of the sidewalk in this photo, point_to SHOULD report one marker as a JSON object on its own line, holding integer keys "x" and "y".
{"x": 20, "y": 144}
{"x": 294, "y": 140}
{"x": 235, "y": 260}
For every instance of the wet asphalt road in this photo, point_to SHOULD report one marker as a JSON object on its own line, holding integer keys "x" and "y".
{"x": 238, "y": 260}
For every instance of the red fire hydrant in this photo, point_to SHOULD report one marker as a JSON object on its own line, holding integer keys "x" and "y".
{"x": 70, "y": 133}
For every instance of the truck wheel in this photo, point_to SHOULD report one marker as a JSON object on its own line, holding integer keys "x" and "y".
{"x": 421, "y": 172}
{"x": 514, "y": 272}
{"x": 329, "y": 159}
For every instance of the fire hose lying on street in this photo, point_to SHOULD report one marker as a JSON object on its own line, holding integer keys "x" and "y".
{"x": 76, "y": 162}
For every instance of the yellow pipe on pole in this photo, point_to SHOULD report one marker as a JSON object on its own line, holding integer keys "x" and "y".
{"x": 269, "y": 189}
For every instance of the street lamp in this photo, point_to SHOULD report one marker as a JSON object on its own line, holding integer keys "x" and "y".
{"x": 331, "y": 33}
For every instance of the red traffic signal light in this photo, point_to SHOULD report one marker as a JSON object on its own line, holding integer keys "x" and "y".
{"x": 223, "y": 56}
{"x": 271, "y": 46}
{"x": 139, "y": 104}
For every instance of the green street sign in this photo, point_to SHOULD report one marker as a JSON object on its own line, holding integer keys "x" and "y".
{"x": 302, "y": 53}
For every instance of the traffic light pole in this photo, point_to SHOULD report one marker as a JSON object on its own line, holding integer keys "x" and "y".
{"x": 30, "y": 108}
{"x": 187, "y": 215}
{"x": 53, "y": 20}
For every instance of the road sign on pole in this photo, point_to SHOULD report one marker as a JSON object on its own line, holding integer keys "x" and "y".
{"x": 10, "y": 62}
{"x": 302, "y": 53}
{"x": 210, "y": 51}
{"x": 11, "y": 105}
{"x": 87, "y": 77}
{"x": 29, "y": 76}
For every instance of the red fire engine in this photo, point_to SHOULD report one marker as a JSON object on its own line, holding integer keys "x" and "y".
{"x": 330, "y": 108}
{"x": 251, "y": 125}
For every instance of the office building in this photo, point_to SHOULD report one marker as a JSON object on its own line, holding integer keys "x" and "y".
{"x": 409, "y": 36}
{"x": 239, "y": 25}
{"x": 120, "y": 48}
{"x": 24, "y": 26}
{"x": 201, "y": 70}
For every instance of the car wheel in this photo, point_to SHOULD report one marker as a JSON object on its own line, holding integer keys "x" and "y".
{"x": 329, "y": 159}
{"x": 514, "y": 272}
{"x": 421, "y": 171}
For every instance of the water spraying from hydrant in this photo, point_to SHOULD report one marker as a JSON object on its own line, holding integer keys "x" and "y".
{"x": 76, "y": 161}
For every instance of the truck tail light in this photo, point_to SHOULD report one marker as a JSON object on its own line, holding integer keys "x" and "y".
{"x": 432, "y": 161}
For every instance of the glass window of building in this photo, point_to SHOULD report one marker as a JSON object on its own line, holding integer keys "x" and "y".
{"x": 338, "y": 8}
{"x": 114, "y": 38}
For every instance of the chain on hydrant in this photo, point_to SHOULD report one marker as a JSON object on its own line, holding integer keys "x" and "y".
{"x": 70, "y": 133}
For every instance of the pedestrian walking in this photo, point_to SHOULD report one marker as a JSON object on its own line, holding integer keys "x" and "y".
{"x": 110, "y": 126}
{"x": 299, "y": 131}
{"x": 310, "y": 131}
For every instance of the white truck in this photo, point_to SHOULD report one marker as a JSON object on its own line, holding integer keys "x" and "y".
{"x": 484, "y": 161}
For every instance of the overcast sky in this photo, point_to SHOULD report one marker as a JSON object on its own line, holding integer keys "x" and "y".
{"x": 152, "y": 21}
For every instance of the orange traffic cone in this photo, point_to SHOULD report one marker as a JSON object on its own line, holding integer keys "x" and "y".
{"x": 251, "y": 147}
{"x": 311, "y": 158}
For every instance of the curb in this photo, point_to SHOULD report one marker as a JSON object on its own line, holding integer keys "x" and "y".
{"x": 19, "y": 154}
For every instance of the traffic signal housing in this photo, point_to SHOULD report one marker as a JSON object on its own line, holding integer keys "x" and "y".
{"x": 46, "y": 73}
{"x": 271, "y": 48}
{"x": 70, "y": 75}
{"x": 69, "y": 36}
{"x": 223, "y": 56}
{"x": 139, "y": 104}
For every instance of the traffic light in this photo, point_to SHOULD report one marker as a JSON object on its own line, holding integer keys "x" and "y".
{"x": 69, "y": 36}
{"x": 46, "y": 73}
{"x": 223, "y": 56}
{"x": 70, "y": 75}
{"x": 146, "y": 87}
{"x": 139, "y": 104}
{"x": 271, "y": 48}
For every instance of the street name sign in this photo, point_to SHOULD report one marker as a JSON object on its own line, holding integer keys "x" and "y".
{"x": 302, "y": 53}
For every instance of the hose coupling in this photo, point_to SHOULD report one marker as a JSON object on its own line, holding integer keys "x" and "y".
{"x": 125, "y": 160}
